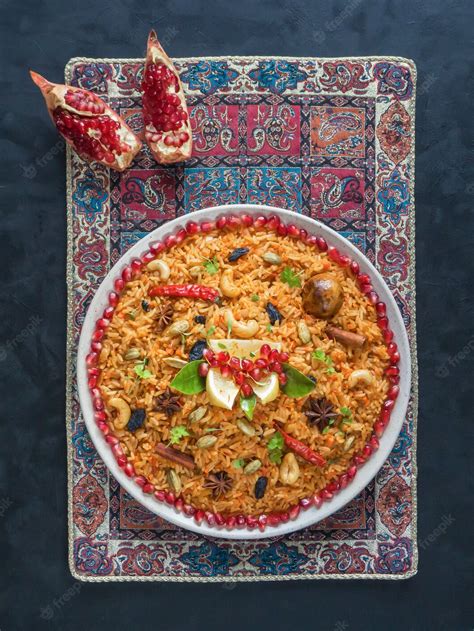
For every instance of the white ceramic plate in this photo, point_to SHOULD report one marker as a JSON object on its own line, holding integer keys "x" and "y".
{"x": 364, "y": 474}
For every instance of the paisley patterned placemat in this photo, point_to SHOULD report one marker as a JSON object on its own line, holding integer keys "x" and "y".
{"x": 329, "y": 138}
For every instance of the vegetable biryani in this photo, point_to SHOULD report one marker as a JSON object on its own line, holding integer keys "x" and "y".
{"x": 242, "y": 370}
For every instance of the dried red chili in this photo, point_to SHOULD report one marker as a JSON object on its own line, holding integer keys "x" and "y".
{"x": 199, "y": 292}
{"x": 301, "y": 449}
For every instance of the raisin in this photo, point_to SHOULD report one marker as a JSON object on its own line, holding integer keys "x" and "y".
{"x": 136, "y": 419}
{"x": 236, "y": 254}
{"x": 145, "y": 305}
{"x": 273, "y": 313}
{"x": 200, "y": 319}
{"x": 261, "y": 487}
{"x": 197, "y": 350}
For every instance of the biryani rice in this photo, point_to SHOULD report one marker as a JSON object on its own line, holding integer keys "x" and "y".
{"x": 132, "y": 327}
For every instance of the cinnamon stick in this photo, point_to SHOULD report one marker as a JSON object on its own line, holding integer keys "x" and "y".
{"x": 175, "y": 456}
{"x": 347, "y": 338}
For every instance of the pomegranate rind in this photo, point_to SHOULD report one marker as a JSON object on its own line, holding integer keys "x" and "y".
{"x": 55, "y": 96}
{"x": 161, "y": 152}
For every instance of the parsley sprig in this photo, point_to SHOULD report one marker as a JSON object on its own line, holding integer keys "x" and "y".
{"x": 211, "y": 266}
{"x": 275, "y": 448}
{"x": 321, "y": 356}
{"x": 177, "y": 433}
{"x": 141, "y": 369}
{"x": 290, "y": 277}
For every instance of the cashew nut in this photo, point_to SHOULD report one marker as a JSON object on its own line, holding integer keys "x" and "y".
{"x": 226, "y": 285}
{"x": 123, "y": 410}
{"x": 289, "y": 469}
{"x": 360, "y": 376}
{"x": 244, "y": 330}
{"x": 161, "y": 267}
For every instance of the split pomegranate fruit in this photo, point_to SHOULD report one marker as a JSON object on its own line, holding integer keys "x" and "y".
{"x": 90, "y": 126}
{"x": 165, "y": 114}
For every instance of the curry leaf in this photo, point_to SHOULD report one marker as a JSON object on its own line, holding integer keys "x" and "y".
{"x": 188, "y": 380}
{"x": 297, "y": 384}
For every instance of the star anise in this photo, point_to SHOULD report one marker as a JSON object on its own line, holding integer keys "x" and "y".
{"x": 164, "y": 316}
{"x": 319, "y": 412}
{"x": 167, "y": 402}
{"x": 219, "y": 482}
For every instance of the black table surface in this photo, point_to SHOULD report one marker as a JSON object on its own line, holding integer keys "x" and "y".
{"x": 437, "y": 34}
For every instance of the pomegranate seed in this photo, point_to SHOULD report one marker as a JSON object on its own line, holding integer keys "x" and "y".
{"x": 326, "y": 495}
{"x": 129, "y": 470}
{"x": 363, "y": 279}
{"x": 260, "y": 221}
{"x": 104, "y": 428}
{"x": 344, "y": 261}
{"x": 180, "y": 235}
{"x": 239, "y": 378}
{"x": 170, "y": 241}
{"x": 374, "y": 443}
{"x": 127, "y": 274}
{"x": 262, "y": 522}
{"x": 392, "y": 371}
{"x": 395, "y": 357}
{"x": 276, "y": 367}
{"x": 247, "y": 220}
{"x": 312, "y": 240}
{"x": 306, "y": 502}
{"x": 112, "y": 440}
{"x": 92, "y": 382}
{"x": 343, "y": 480}
{"x": 379, "y": 428}
{"x": 367, "y": 451}
{"x": 373, "y": 297}
{"x": 117, "y": 451}
{"x": 192, "y": 227}
{"x": 292, "y": 230}
{"x": 157, "y": 246}
{"x": 247, "y": 365}
{"x": 170, "y": 497}
{"x": 207, "y": 226}
{"x": 321, "y": 243}
{"x": 199, "y": 516}
{"x": 283, "y": 357}
{"x": 359, "y": 461}
{"x": 233, "y": 222}
{"x": 395, "y": 379}
{"x": 203, "y": 369}
{"x": 98, "y": 335}
{"x": 246, "y": 389}
{"x": 222, "y": 357}
{"x": 355, "y": 267}
{"x": 96, "y": 347}
{"x": 148, "y": 257}
{"x": 225, "y": 371}
{"x": 136, "y": 265}
{"x": 188, "y": 510}
{"x": 91, "y": 359}
{"x": 333, "y": 486}
{"x": 303, "y": 234}
{"x": 160, "y": 495}
{"x": 98, "y": 404}
{"x": 140, "y": 480}
{"x": 381, "y": 308}
{"x": 388, "y": 404}
{"x": 178, "y": 504}
{"x": 93, "y": 371}
{"x": 393, "y": 393}
{"x": 113, "y": 299}
{"x": 256, "y": 374}
{"x": 119, "y": 285}
{"x": 122, "y": 461}
{"x": 333, "y": 254}
{"x": 240, "y": 520}
{"x": 274, "y": 355}
{"x": 294, "y": 511}
{"x": 388, "y": 336}
{"x": 234, "y": 363}
{"x": 108, "y": 313}
{"x": 392, "y": 348}
{"x": 273, "y": 519}
{"x": 273, "y": 222}
{"x": 208, "y": 354}
{"x": 210, "y": 518}
{"x": 103, "y": 323}
{"x": 220, "y": 520}
{"x": 384, "y": 416}
{"x": 282, "y": 379}
{"x": 351, "y": 472}
{"x": 100, "y": 416}
{"x": 366, "y": 289}
{"x": 282, "y": 230}
{"x": 265, "y": 350}
{"x": 252, "y": 522}
{"x": 317, "y": 500}
{"x": 383, "y": 323}
{"x": 221, "y": 222}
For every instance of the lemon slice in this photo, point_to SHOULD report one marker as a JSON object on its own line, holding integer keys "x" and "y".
{"x": 221, "y": 390}
{"x": 268, "y": 389}
{"x": 241, "y": 348}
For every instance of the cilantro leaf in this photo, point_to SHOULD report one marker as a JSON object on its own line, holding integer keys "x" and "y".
{"x": 275, "y": 448}
{"x": 141, "y": 370}
{"x": 321, "y": 356}
{"x": 247, "y": 405}
{"x": 211, "y": 266}
{"x": 290, "y": 277}
{"x": 177, "y": 433}
{"x": 210, "y": 331}
{"x": 238, "y": 463}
